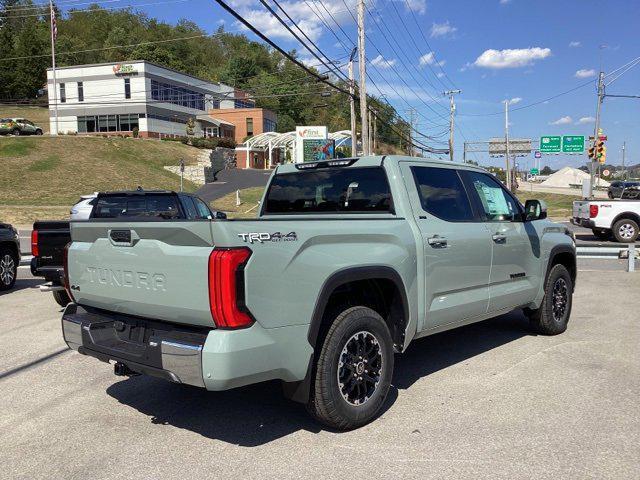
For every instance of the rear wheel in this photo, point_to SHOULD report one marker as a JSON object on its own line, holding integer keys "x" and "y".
{"x": 38, "y": 132}
{"x": 553, "y": 315}
{"x": 610, "y": 195}
{"x": 601, "y": 234}
{"x": 61, "y": 297}
{"x": 8, "y": 268}
{"x": 353, "y": 370}
{"x": 16, "y": 132}
{"x": 625, "y": 230}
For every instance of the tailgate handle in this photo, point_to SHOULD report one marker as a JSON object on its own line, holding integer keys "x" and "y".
{"x": 123, "y": 238}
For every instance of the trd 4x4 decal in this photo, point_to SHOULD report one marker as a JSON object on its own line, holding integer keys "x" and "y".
{"x": 253, "y": 237}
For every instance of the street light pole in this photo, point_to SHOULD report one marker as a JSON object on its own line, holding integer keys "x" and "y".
{"x": 364, "y": 137}
{"x": 451, "y": 93}
{"x": 352, "y": 105}
{"x": 54, "y": 27}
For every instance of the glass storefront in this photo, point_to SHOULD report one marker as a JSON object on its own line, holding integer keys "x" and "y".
{"x": 109, "y": 123}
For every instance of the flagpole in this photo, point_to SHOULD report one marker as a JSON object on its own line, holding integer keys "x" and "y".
{"x": 53, "y": 64}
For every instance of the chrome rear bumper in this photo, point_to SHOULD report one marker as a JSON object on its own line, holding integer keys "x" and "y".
{"x": 168, "y": 351}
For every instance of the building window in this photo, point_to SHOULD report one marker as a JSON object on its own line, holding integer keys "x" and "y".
{"x": 80, "y": 92}
{"x": 241, "y": 103}
{"x": 63, "y": 93}
{"x": 249, "y": 126}
{"x": 269, "y": 125}
{"x": 165, "y": 92}
{"x": 127, "y": 88}
{"x": 109, "y": 123}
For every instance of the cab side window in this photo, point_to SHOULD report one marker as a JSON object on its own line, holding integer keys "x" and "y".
{"x": 496, "y": 205}
{"x": 442, "y": 193}
{"x": 203, "y": 210}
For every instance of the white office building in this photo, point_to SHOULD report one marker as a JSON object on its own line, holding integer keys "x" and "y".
{"x": 117, "y": 98}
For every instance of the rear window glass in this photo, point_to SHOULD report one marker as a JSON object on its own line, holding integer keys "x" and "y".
{"x": 347, "y": 190}
{"x": 160, "y": 206}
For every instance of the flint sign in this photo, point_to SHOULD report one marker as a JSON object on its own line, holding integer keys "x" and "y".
{"x": 313, "y": 144}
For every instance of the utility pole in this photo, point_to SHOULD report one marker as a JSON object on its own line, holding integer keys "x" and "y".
{"x": 54, "y": 34}
{"x": 451, "y": 93}
{"x": 596, "y": 130}
{"x": 506, "y": 142}
{"x": 363, "y": 72}
{"x": 464, "y": 152}
{"x": 411, "y": 112}
{"x": 352, "y": 104}
{"x": 370, "y": 130}
{"x": 624, "y": 148}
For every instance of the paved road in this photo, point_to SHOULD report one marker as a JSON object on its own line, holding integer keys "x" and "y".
{"x": 536, "y": 187}
{"x": 231, "y": 180}
{"x": 485, "y": 401}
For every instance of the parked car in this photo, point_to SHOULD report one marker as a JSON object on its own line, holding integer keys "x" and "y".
{"x": 19, "y": 126}
{"x": 349, "y": 261}
{"x": 48, "y": 238}
{"x": 82, "y": 209}
{"x": 9, "y": 256}
{"x": 606, "y": 218}
{"x": 624, "y": 189}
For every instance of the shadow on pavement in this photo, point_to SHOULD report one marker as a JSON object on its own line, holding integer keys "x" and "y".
{"x": 22, "y": 283}
{"x": 259, "y": 414}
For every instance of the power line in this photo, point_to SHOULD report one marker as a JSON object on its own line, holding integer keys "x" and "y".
{"x": 45, "y": 6}
{"x": 98, "y": 9}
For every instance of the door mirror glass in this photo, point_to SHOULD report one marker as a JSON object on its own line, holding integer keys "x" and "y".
{"x": 535, "y": 210}
{"x": 221, "y": 216}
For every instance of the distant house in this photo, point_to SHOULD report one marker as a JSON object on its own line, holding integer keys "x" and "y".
{"x": 117, "y": 98}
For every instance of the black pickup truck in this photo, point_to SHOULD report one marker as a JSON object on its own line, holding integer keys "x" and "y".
{"x": 49, "y": 238}
{"x": 9, "y": 256}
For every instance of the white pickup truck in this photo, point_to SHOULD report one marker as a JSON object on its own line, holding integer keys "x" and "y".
{"x": 620, "y": 218}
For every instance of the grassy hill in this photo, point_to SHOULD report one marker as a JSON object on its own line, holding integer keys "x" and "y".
{"x": 38, "y": 115}
{"x": 41, "y": 177}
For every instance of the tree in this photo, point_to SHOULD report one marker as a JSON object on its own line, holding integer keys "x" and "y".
{"x": 190, "y": 127}
{"x": 546, "y": 170}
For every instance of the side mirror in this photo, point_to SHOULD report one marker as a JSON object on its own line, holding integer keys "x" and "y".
{"x": 534, "y": 210}
{"x": 221, "y": 216}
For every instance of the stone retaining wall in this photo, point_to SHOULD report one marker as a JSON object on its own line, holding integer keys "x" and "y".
{"x": 209, "y": 163}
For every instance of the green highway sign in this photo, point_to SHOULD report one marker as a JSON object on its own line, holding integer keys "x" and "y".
{"x": 573, "y": 144}
{"x": 551, "y": 144}
{"x": 534, "y": 171}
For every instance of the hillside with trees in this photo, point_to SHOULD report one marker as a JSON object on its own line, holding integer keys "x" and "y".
{"x": 95, "y": 35}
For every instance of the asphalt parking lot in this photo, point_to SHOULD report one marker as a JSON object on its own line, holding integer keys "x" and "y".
{"x": 486, "y": 401}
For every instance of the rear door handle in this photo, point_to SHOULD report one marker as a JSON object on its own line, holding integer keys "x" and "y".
{"x": 437, "y": 241}
{"x": 499, "y": 238}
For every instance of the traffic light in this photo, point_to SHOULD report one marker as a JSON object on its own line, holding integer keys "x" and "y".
{"x": 602, "y": 153}
{"x": 592, "y": 152}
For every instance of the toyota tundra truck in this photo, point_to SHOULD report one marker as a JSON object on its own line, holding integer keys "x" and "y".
{"x": 348, "y": 262}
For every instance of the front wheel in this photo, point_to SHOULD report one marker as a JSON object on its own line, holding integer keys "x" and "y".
{"x": 553, "y": 315}
{"x": 353, "y": 370}
{"x": 38, "y": 132}
{"x": 8, "y": 269}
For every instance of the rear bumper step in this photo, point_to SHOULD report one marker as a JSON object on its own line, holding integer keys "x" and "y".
{"x": 160, "y": 349}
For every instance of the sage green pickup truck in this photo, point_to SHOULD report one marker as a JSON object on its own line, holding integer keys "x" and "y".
{"x": 348, "y": 262}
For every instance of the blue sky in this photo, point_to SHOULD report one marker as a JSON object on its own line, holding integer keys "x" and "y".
{"x": 491, "y": 49}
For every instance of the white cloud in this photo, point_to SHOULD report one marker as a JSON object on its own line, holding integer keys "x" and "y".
{"x": 430, "y": 59}
{"x": 562, "y": 121}
{"x": 575, "y": 44}
{"x": 584, "y": 73}
{"x": 585, "y": 120}
{"x": 511, "y": 57}
{"x": 381, "y": 62}
{"x": 418, "y": 6}
{"x": 439, "y": 74}
{"x": 442, "y": 29}
{"x": 504, "y": 2}
{"x": 515, "y": 100}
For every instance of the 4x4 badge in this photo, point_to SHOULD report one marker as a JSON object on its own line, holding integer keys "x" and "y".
{"x": 262, "y": 237}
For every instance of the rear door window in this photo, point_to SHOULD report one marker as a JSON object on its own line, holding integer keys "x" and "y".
{"x": 203, "y": 210}
{"x": 442, "y": 193}
{"x": 332, "y": 190}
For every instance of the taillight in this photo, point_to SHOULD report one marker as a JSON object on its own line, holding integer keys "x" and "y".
{"x": 35, "y": 251}
{"x": 226, "y": 287}
{"x": 593, "y": 211}
{"x": 65, "y": 271}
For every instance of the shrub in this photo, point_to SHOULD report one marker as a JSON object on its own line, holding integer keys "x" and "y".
{"x": 135, "y": 132}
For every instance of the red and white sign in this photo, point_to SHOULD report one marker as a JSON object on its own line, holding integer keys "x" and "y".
{"x": 606, "y": 173}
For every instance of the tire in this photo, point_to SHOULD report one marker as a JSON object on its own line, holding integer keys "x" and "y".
{"x": 625, "y": 230}
{"x": 38, "y": 132}
{"x": 16, "y": 132}
{"x": 61, "y": 297}
{"x": 553, "y": 315}
{"x": 603, "y": 234}
{"x": 332, "y": 402}
{"x": 610, "y": 195}
{"x": 8, "y": 268}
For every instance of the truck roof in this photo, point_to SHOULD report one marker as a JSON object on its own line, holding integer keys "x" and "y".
{"x": 367, "y": 161}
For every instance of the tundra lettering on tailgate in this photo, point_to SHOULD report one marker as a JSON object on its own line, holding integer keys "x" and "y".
{"x": 127, "y": 278}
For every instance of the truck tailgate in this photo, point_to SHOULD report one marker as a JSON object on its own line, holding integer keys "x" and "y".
{"x": 150, "y": 269}
{"x": 581, "y": 209}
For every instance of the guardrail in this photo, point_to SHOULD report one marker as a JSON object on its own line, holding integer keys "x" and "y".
{"x": 621, "y": 252}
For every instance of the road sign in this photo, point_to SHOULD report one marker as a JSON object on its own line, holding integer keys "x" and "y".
{"x": 537, "y": 154}
{"x": 551, "y": 144}
{"x": 606, "y": 173}
{"x": 573, "y": 144}
{"x": 534, "y": 171}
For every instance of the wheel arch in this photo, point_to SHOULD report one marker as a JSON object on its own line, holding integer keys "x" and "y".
{"x": 564, "y": 255}
{"x": 628, "y": 215}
